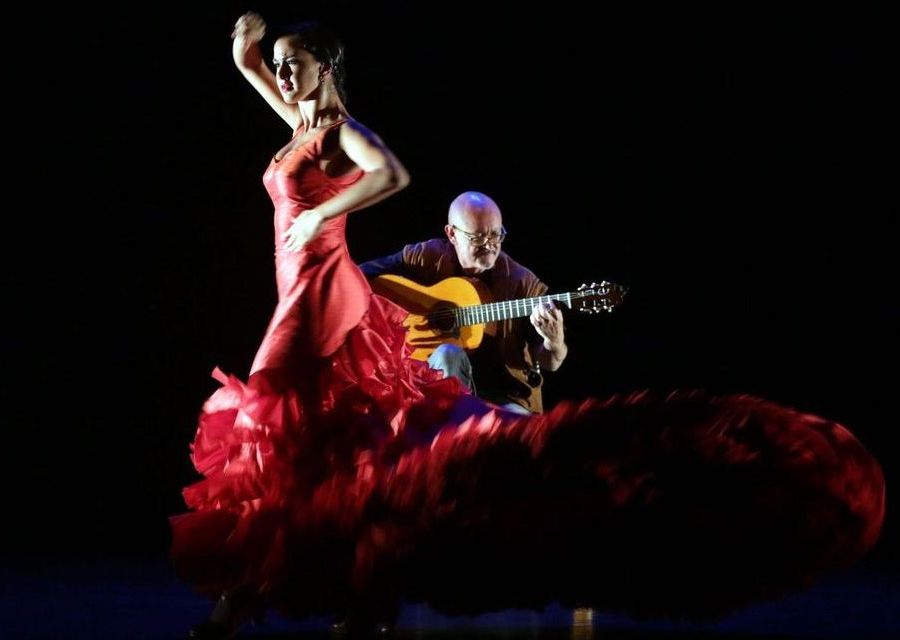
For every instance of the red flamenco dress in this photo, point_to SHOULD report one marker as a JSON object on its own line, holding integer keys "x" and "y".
{"x": 343, "y": 472}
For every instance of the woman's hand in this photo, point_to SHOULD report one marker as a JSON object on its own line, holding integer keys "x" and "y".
{"x": 303, "y": 230}
{"x": 250, "y": 27}
{"x": 248, "y": 31}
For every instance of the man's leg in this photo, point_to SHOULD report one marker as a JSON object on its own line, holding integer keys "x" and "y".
{"x": 454, "y": 362}
{"x": 514, "y": 407}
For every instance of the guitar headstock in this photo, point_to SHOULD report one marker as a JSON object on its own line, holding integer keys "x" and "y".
{"x": 597, "y": 297}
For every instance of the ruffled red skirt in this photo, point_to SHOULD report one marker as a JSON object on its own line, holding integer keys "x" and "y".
{"x": 367, "y": 477}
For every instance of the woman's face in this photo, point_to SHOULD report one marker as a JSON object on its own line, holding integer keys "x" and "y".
{"x": 297, "y": 71}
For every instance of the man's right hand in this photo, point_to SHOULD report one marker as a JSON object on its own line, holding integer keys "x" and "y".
{"x": 248, "y": 31}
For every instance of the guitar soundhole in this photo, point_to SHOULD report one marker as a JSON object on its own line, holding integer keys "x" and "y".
{"x": 442, "y": 318}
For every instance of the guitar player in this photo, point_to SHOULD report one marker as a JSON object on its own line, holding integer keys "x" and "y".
{"x": 506, "y": 368}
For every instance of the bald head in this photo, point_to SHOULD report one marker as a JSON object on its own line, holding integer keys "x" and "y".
{"x": 473, "y": 210}
{"x": 473, "y": 215}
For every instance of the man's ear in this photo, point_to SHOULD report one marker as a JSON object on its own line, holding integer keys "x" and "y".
{"x": 451, "y": 233}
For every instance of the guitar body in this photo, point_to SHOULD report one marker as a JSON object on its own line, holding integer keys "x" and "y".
{"x": 460, "y": 310}
{"x": 430, "y": 322}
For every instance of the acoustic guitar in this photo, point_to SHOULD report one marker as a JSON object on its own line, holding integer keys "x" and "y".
{"x": 456, "y": 309}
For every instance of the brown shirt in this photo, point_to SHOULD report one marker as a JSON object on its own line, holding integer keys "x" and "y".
{"x": 502, "y": 366}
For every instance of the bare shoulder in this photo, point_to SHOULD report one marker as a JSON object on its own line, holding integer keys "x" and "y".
{"x": 354, "y": 130}
{"x": 364, "y": 147}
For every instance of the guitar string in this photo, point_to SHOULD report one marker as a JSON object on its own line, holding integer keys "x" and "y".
{"x": 478, "y": 314}
{"x": 489, "y": 308}
{"x": 501, "y": 306}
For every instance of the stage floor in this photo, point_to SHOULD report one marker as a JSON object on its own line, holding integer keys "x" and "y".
{"x": 141, "y": 599}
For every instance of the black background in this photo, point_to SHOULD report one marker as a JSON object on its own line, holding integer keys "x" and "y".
{"x": 730, "y": 168}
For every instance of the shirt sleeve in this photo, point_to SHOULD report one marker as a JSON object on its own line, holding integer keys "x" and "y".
{"x": 536, "y": 288}
{"x": 425, "y": 262}
{"x": 392, "y": 264}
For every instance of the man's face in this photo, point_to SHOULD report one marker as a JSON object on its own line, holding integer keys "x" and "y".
{"x": 476, "y": 234}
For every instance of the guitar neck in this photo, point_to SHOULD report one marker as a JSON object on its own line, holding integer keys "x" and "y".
{"x": 494, "y": 311}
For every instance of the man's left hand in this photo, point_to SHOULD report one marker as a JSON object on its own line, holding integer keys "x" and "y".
{"x": 548, "y": 322}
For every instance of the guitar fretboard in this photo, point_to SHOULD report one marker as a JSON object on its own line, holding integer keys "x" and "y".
{"x": 494, "y": 311}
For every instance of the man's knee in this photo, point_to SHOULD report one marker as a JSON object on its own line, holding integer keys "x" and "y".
{"x": 453, "y": 361}
{"x": 447, "y": 353}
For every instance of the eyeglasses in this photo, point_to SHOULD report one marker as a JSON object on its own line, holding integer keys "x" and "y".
{"x": 481, "y": 239}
